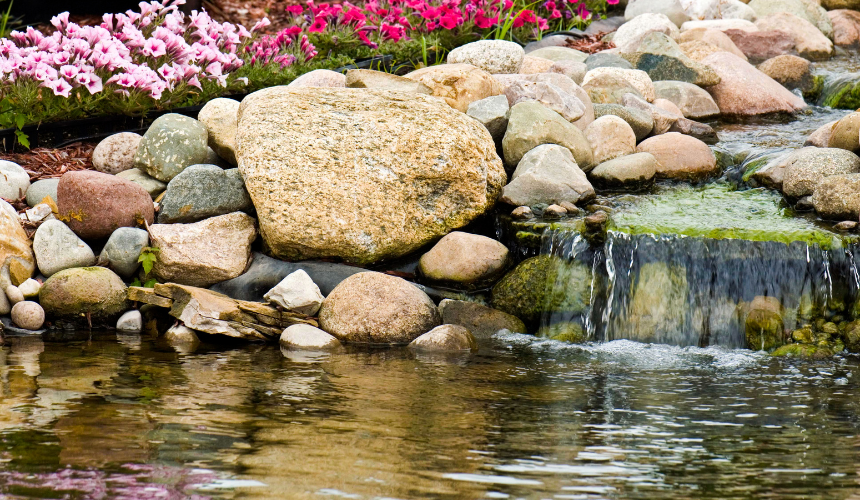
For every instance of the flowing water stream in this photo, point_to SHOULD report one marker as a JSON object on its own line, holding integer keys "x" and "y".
{"x": 657, "y": 405}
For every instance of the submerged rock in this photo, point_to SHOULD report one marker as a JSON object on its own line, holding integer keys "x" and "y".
{"x": 464, "y": 259}
{"x": 658, "y": 304}
{"x": 205, "y": 252}
{"x": 492, "y": 56}
{"x": 203, "y": 191}
{"x": 458, "y": 84}
{"x": 482, "y": 321}
{"x": 115, "y": 153}
{"x": 73, "y": 293}
{"x": 807, "y": 351}
{"x": 543, "y": 284}
{"x": 307, "y": 337}
{"x": 764, "y": 324}
{"x": 566, "y": 331}
{"x": 57, "y": 247}
{"x": 532, "y": 124}
{"x": 446, "y": 338}
{"x": 172, "y": 143}
{"x": 414, "y": 170}
{"x": 376, "y": 308}
{"x": 547, "y": 174}
{"x": 94, "y": 204}
{"x": 746, "y": 91}
{"x": 220, "y": 116}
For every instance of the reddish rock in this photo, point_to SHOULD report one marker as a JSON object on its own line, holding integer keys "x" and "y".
{"x": 846, "y": 27}
{"x": 759, "y": 46}
{"x": 94, "y": 204}
{"x": 745, "y": 91}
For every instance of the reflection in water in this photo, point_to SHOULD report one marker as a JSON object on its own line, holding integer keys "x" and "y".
{"x": 525, "y": 417}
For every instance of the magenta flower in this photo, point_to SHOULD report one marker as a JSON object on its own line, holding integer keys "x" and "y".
{"x": 59, "y": 87}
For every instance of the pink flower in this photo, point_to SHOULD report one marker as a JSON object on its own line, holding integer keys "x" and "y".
{"x": 59, "y": 87}
{"x": 123, "y": 80}
{"x": 448, "y": 22}
{"x": 295, "y": 9}
{"x": 261, "y": 24}
{"x": 60, "y": 21}
{"x": 319, "y": 25}
{"x": 154, "y": 47}
{"x": 68, "y": 71}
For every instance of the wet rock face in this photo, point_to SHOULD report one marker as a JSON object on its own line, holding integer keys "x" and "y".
{"x": 446, "y": 338}
{"x": 94, "y": 204}
{"x": 410, "y": 170}
{"x": 658, "y": 305}
{"x": 172, "y": 143}
{"x": 541, "y": 285}
{"x": 764, "y": 324}
{"x": 376, "y": 308}
{"x": 482, "y": 321}
{"x": 72, "y": 293}
{"x": 463, "y": 259}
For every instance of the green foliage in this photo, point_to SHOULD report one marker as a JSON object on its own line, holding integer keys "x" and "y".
{"x": 148, "y": 257}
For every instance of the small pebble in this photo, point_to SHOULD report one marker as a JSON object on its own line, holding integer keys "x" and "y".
{"x": 30, "y": 288}
{"x": 522, "y": 213}
{"x": 130, "y": 321}
{"x": 804, "y": 204}
{"x": 28, "y": 315}
{"x": 554, "y": 211}
{"x": 846, "y": 225}
{"x": 571, "y": 208}
{"x": 14, "y": 294}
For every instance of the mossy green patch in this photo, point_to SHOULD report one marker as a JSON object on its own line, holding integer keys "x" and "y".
{"x": 808, "y": 351}
{"x": 565, "y": 331}
{"x": 717, "y": 211}
{"x": 841, "y": 92}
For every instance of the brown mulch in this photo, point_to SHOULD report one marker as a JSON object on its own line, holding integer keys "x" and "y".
{"x": 591, "y": 43}
{"x": 45, "y": 163}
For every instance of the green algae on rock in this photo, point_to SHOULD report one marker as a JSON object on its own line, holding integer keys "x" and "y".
{"x": 565, "y": 331}
{"x": 94, "y": 291}
{"x": 808, "y": 351}
{"x": 543, "y": 284}
{"x": 717, "y": 211}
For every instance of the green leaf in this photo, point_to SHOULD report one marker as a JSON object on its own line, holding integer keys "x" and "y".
{"x": 20, "y": 120}
{"x": 23, "y": 139}
{"x": 136, "y": 282}
{"x": 150, "y": 283}
{"x": 148, "y": 258}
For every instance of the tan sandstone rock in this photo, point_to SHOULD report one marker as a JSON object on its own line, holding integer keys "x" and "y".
{"x": 220, "y": 117}
{"x": 680, "y": 156}
{"x": 15, "y": 245}
{"x": 459, "y": 84}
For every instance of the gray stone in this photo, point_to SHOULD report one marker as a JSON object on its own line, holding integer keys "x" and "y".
{"x": 481, "y": 320}
{"x": 172, "y": 143}
{"x": 638, "y": 79}
{"x": 28, "y": 315}
{"x": 693, "y": 101}
{"x": 152, "y": 185}
{"x": 806, "y": 167}
{"x": 632, "y": 171}
{"x": 609, "y": 89}
{"x": 640, "y": 121}
{"x": 630, "y": 34}
{"x": 464, "y": 259}
{"x": 669, "y": 8}
{"x": 700, "y": 131}
{"x": 57, "y": 247}
{"x": 493, "y": 113}
{"x": 607, "y": 60}
{"x": 547, "y": 174}
{"x": 559, "y": 54}
{"x": 220, "y": 117}
{"x": 14, "y": 294}
{"x": 446, "y": 338}
{"x": 40, "y": 189}
{"x": 130, "y": 321}
{"x": 298, "y": 293}
{"x": 558, "y": 80}
{"x": 14, "y": 180}
{"x": 115, "y": 153}
{"x": 73, "y": 293}
{"x": 663, "y": 120}
{"x": 203, "y": 191}
{"x": 662, "y": 58}
{"x": 551, "y": 96}
{"x": 376, "y": 308}
{"x": 123, "y": 249}
{"x": 571, "y": 69}
{"x": 532, "y": 124}
{"x": 307, "y": 337}
{"x": 492, "y": 56}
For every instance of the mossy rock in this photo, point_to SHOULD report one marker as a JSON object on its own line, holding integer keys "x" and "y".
{"x": 764, "y": 324}
{"x": 852, "y": 336}
{"x": 813, "y": 92}
{"x": 565, "y": 331}
{"x": 841, "y": 92}
{"x": 658, "y": 303}
{"x": 74, "y": 293}
{"x": 544, "y": 284}
{"x": 808, "y": 351}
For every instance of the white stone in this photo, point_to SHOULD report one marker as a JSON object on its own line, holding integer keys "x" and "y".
{"x": 38, "y": 213}
{"x": 115, "y": 153}
{"x": 57, "y": 247}
{"x": 14, "y": 180}
{"x": 637, "y": 79}
{"x": 705, "y": 10}
{"x": 632, "y": 32}
{"x": 721, "y": 24}
{"x": 14, "y": 294}
{"x": 298, "y": 293}
{"x": 130, "y": 321}
{"x": 30, "y": 288}
{"x": 492, "y": 56}
{"x": 307, "y": 337}
{"x": 5, "y": 305}
{"x": 183, "y": 339}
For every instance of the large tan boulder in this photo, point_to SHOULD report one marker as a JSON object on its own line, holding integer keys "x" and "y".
{"x": 680, "y": 156}
{"x": 15, "y": 249}
{"x": 459, "y": 84}
{"x": 377, "y": 308}
{"x": 845, "y": 134}
{"x": 370, "y": 79}
{"x": 745, "y": 91}
{"x": 203, "y": 253}
{"x": 362, "y": 175}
